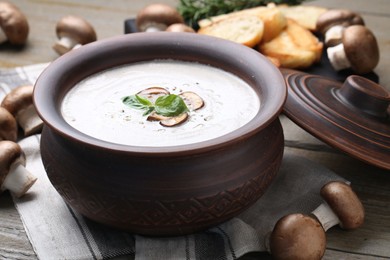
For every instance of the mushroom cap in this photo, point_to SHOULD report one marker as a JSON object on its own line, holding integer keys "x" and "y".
{"x": 18, "y": 99}
{"x": 157, "y": 14}
{"x": 10, "y": 153}
{"x": 8, "y": 125}
{"x": 345, "y": 204}
{"x": 14, "y": 23}
{"x": 297, "y": 236}
{"x": 76, "y": 28}
{"x": 361, "y": 48}
{"x": 335, "y": 17}
{"x": 179, "y": 27}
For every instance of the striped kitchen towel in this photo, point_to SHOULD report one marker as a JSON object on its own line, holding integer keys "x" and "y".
{"x": 56, "y": 231}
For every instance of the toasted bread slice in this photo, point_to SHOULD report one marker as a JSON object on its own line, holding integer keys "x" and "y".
{"x": 246, "y": 12}
{"x": 246, "y": 30}
{"x": 274, "y": 20}
{"x": 304, "y": 15}
{"x": 295, "y": 47}
{"x": 304, "y": 39}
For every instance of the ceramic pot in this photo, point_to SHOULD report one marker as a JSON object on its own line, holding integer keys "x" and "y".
{"x": 161, "y": 190}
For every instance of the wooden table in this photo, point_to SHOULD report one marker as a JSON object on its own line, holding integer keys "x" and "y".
{"x": 372, "y": 241}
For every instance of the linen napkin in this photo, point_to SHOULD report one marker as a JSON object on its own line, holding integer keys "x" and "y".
{"x": 56, "y": 231}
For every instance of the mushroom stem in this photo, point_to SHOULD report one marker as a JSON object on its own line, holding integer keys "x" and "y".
{"x": 19, "y": 180}
{"x": 333, "y": 35}
{"x": 64, "y": 44}
{"x": 29, "y": 120}
{"x": 338, "y": 57}
{"x": 326, "y": 216}
{"x": 3, "y": 37}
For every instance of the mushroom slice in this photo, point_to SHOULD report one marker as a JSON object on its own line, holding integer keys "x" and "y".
{"x": 19, "y": 103}
{"x": 156, "y": 117}
{"x": 192, "y": 100}
{"x": 153, "y": 93}
{"x": 8, "y": 125}
{"x": 175, "y": 120}
{"x": 13, "y": 174}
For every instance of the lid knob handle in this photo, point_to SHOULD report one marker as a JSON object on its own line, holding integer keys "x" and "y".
{"x": 365, "y": 95}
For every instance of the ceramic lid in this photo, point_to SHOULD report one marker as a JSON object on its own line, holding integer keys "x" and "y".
{"x": 353, "y": 116}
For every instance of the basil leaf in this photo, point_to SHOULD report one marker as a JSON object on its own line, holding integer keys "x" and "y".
{"x": 170, "y": 105}
{"x": 148, "y": 111}
{"x": 138, "y": 102}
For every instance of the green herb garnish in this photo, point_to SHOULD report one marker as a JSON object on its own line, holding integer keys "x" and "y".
{"x": 167, "y": 105}
{"x": 138, "y": 102}
{"x": 195, "y": 10}
{"x": 170, "y": 105}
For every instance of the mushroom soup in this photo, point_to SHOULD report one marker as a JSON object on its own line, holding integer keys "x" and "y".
{"x": 94, "y": 106}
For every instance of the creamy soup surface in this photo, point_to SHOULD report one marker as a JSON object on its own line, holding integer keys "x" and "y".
{"x": 94, "y": 106}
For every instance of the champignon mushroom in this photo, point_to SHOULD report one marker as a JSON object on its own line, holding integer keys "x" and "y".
{"x": 175, "y": 120}
{"x": 73, "y": 31}
{"x": 168, "y": 121}
{"x": 192, "y": 100}
{"x": 297, "y": 236}
{"x": 359, "y": 50}
{"x": 19, "y": 103}
{"x": 157, "y": 17}
{"x": 13, "y": 174}
{"x": 179, "y": 27}
{"x": 342, "y": 207}
{"x": 153, "y": 93}
{"x": 13, "y": 24}
{"x": 8, "y": 125}
{"x": 332, "y": 23}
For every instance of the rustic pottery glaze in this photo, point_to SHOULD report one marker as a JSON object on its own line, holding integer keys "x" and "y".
{"x": 161, "y": 190}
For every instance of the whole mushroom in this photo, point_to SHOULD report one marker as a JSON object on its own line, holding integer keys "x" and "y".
{"x": 358, "y": 50}
{"x": 332, "y": 23}
{"x": 8, "y": 125}
{"x": 73, "y": 32}
{"x": 157, "y": 17}
{"x": 297, "y": 236}
{"x": 14, "y": 27}
{"x": 13, "y": 174}
{"x": 342, "y": 207}
{"x": 19, "y": 103}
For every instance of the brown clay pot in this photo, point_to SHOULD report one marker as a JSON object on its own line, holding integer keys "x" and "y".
{"x": 161, "y": 190}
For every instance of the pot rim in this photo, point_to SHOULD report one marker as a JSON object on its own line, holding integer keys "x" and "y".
{"x": 246, "y": 63}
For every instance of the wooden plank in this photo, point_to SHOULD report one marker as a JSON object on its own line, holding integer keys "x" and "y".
{"x": 107, "y": 17}
{"x": 379, "y": 8}
{"x": 14, "y": 243}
